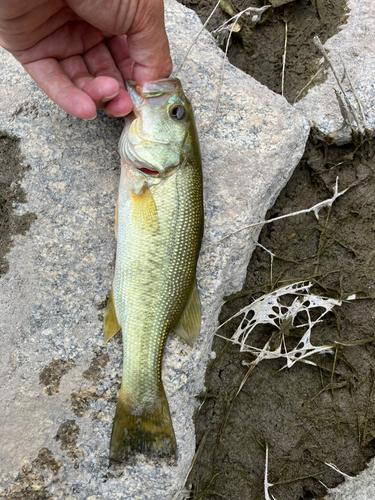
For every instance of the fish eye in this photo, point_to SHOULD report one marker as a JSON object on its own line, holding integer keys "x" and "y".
{"x": 177, "y": 112}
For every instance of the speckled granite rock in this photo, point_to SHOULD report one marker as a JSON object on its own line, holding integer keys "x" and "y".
{"x": 354, "y": 47}
{"x": 58, "y": 383}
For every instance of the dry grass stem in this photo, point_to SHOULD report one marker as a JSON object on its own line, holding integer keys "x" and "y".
{"x": 284, "y": 58}
{"x": 321, "y": 68}
{"x": 233, "y": 20}
{"x": 364, "y": 123}
{"x": 266, "y": 483}
{"x": 272, "y": 256}
{"x": 201, "y": 444}
{"x": 216, "y": 106}
{"x": 258, "y": 14}
{"x": 346, "y": 476}
{"x": 356, "y": 121}
{"x": 316, "y": 208}
{"x": 255, "y": 19}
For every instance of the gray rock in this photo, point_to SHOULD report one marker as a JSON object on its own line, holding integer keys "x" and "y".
{"x": 353, "y": 48}
{"x": 59, "y": 383}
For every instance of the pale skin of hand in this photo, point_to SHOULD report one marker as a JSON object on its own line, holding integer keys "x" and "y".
{"x": 80, "y": 52}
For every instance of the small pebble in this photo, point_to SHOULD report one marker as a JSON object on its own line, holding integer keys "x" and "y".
{"x": 100, "y": 301}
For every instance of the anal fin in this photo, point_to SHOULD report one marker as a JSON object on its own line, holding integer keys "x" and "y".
{"x": 189, "y": 324}
{"x": 111, "y": 325}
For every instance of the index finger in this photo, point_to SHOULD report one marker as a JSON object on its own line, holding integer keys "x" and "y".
{"x": 118, "y": 46}
{"x": 52, "y": 79}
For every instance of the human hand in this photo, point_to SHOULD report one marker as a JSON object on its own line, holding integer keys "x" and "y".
{"x": 80, "y": 52}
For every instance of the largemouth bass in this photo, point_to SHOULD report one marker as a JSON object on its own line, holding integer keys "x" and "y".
{"x": 159, "y": 231}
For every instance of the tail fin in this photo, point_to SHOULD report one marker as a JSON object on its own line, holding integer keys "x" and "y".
{"x": 142, "y": 432}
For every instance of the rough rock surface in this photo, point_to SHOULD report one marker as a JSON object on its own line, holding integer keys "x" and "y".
{"x": 58, "y": 383}
{"x": 352, "y": 48}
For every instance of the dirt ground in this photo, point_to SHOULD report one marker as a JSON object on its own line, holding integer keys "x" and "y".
{"x": 259, "y": 50}
{"x": 11, "y": 173}
{"x": 308, "y": 415}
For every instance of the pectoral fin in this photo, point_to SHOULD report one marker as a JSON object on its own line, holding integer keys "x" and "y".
{"x": 189, "y": 325}
{"x": 144, "y": 210}
{"x": 111, "y": 325}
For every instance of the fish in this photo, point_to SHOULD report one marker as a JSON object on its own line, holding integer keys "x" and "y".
{"x": 159, "y": 227}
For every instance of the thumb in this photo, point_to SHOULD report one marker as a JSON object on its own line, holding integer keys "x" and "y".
{"x": 148, "y": 43}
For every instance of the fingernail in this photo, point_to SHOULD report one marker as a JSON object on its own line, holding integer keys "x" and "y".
{"x": 111, "y": 115}
{"x": 109, "y": 97}
{"x": 119, "y": 116}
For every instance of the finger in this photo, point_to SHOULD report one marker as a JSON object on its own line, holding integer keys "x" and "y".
{"x": 51, "y": 78}
{"x": 120, "y": 106}
{"x": 69, "y": 40}
{"x": 101, "y": 64}
{"x": 118, "y": 46}
{"x": 22, "y": 27}
{"x": 100, "y": 89}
